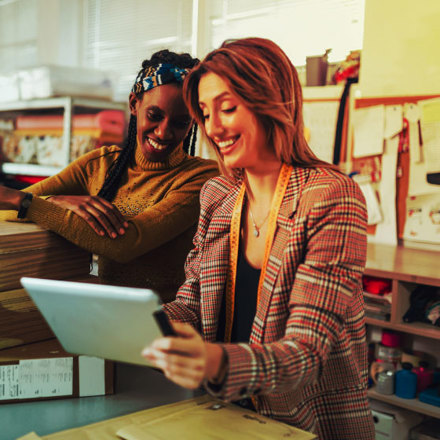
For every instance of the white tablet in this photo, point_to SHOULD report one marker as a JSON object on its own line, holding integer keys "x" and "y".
{"x": 109, "y": 322}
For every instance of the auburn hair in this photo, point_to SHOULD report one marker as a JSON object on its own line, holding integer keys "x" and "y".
{"x": 261, "y": 75}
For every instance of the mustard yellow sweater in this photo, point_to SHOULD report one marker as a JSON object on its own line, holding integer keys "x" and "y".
{"x": 160, "y": 201}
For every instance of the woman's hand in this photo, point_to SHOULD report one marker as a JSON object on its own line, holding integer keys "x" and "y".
{"x": 186, "y": 360}
{"x": 10, "y": 198}
{"x": 100, "y": 214}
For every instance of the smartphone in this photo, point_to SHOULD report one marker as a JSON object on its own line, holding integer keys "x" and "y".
{"x": 164, "y": 323}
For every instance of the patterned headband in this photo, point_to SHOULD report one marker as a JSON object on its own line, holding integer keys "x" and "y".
{"x": 157, "y": 76}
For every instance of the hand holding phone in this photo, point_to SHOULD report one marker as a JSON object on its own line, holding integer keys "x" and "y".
{"x": 164, "y": 323}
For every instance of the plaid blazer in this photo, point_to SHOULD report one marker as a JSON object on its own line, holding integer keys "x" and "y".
{"x": 306, "y": 361}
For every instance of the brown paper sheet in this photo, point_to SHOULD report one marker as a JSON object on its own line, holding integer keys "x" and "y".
{"x": 201, "y": 417}
{"x": 30, "y": 436}
{"x": 212, "y": 420}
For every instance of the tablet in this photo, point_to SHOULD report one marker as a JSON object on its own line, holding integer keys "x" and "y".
{"x": 108, "y": 322}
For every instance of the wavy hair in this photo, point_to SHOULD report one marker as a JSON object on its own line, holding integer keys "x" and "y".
{"x": 265, "y": 80}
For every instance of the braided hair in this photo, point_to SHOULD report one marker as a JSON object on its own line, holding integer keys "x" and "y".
{"x": 116, "y": 170}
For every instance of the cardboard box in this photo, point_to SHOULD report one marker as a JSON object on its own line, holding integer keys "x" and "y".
{"x": 52, "y": 80}
{"x": 20, "y": 320}
{"x": 29, "y": 250}
{"x": 43, "y": 370}
{"x": 392, "y": 423}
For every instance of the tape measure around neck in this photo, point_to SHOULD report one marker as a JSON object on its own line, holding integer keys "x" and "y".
{"x": 280, "y": 190}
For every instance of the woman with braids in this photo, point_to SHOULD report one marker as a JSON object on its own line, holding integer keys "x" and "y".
{"x": 271, "y": 313}
{"x": 135, "y": 207}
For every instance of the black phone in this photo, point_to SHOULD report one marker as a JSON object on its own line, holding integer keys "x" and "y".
{"x": 164, "y": 323}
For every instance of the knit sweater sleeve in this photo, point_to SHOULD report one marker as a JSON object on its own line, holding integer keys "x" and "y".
{"x": 72, "y": 180}
{"x": 155, "y": 226}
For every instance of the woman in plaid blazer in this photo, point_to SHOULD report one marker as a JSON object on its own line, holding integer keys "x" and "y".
{"x": 272, "y": 306}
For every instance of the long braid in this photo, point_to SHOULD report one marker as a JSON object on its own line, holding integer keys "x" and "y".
{"x": 189, "y": 142}
{"x": 117, "y": 169}
{"x": 192, "y": 149}
{"x": 114, "y": 174}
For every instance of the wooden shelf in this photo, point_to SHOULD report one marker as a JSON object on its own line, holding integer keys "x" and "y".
{"x": 416, "y": 328}
{"x": 410, "y": 404}
{"x": 67, "y": 104}
{"x": 406, "y": 268}
{"x": 412, "y": 265}
{"x": 29, "y": 169}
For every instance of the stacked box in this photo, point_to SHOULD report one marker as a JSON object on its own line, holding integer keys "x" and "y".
{"x": 33, "y": 365}
{"x": 43, "y": 370}
{"x": 28, "y": 250}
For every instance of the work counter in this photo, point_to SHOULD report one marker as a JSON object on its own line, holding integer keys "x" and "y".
{"x": 27, "y": 250}
{"x": 136, "y": 388}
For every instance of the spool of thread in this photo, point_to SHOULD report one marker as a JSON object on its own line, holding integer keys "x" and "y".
{"x": 390, "y": 338}
{"x": 406, "y": 382}
{"x": 385, "y": 382}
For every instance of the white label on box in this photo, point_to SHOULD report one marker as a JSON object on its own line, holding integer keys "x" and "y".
{"x": 46, "y": 377}
{"x": 9, "y": 382}
{"x": 91, "y": 376}
{"x": 33, "y": 379}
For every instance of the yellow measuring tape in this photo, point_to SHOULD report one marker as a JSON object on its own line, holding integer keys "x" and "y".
{"x": 280, "y": 190}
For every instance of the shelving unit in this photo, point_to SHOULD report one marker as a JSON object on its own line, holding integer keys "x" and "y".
{"x": 407, "y": 268}
{"x": 410, "y": 404}
{"x": 67, "y": 104}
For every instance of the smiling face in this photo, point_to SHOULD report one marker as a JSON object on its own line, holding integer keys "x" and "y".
{"x": 231, "y": 126}
{"x": 163, "y": 121}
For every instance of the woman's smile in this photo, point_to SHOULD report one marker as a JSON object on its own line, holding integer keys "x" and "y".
{"x": 156, "y": 146}
{"x": 227, "y": 146}
{"x": 163, "y": 121}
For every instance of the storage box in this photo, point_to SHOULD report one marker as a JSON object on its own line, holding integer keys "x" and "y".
{"x": 392, "y": 423}
{"x": 20, "y": 320}
{"x": 28, "y": 250}
{"x": 51, "y": 80}
{"x": 9, "y": 89}
{"x": 43, "y": 370}
{"x": 427, "y": 430}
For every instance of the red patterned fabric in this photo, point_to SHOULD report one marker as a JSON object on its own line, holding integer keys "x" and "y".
{"x": 306, "y": 362}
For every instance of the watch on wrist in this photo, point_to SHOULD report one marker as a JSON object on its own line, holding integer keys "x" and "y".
{"x": 24, "y": 205}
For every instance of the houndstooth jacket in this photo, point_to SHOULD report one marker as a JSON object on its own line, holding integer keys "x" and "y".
{"x": 306, "y": 361}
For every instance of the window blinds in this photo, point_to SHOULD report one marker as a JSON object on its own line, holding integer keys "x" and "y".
{"x": 120, "y": 34}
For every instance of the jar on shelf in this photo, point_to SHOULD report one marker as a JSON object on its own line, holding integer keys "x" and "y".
{"x": 388, "y": 354}
{"x": 385, "y": 382}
